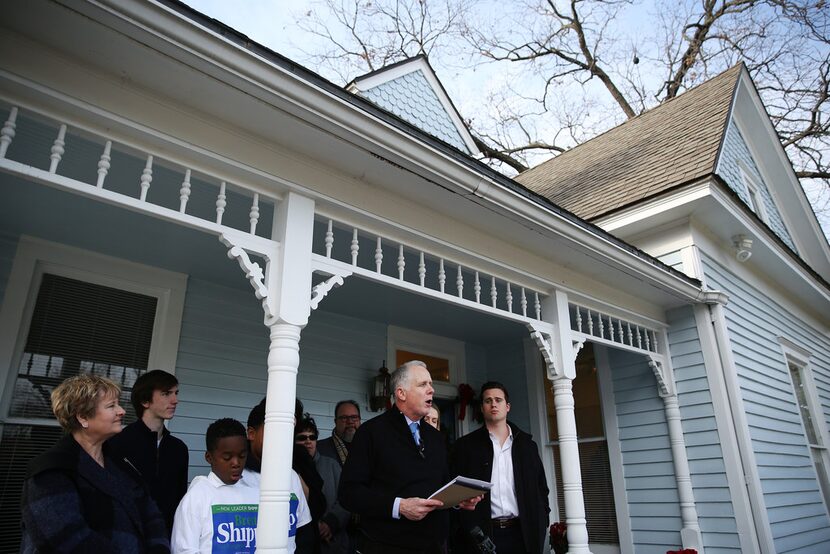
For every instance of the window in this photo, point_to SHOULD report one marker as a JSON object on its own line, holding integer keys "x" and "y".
{"x": 444, "y": 357}
{"x": 753, "y": 192}
{"x": 68, "y": 311}
{"x": 808, "y": 409}
{"x": 597, "y": 486}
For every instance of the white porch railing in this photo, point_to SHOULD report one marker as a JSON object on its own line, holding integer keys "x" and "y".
{"x": 604, "y": 328}
{"x": 393, "y": 262}
{"x": 38, "y": 147}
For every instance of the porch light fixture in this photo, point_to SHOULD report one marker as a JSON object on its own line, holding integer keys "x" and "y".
{"x": 380, "y": 390}
{"x": 743, "y": 247}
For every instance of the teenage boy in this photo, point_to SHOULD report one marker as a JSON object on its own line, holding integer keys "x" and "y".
{"x": 160, "y": 457}
{"x": 219, "y": 512}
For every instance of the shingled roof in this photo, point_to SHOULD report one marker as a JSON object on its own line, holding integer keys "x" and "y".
{"x": 674, "y": 143}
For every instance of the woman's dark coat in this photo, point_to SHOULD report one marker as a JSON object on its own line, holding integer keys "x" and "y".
{"x": 72, "y": 504}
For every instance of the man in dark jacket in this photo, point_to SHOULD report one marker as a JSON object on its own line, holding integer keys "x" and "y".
{"x": 395, "y": 463}
{"x": 515, "y": 513}
{"x": 159, "y": 457}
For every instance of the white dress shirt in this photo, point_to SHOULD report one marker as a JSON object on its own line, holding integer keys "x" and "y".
{"x": 503, "y": 503}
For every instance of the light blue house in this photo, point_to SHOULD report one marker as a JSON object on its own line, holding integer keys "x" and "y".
{"x": 173, "y": 195}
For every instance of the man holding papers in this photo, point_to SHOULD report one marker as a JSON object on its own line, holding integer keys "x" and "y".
{"x": 515, "y": 512}
{"x": 396, "y": 461}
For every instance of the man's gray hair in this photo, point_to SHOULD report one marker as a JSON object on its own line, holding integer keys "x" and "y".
{"x": 400, "y": 377}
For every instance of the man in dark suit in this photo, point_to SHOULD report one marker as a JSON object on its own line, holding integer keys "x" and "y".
{"x": 395, "y": 463}
{"x": 515, "y": 513}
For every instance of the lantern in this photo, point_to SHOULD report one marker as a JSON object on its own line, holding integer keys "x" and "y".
{"x": 380, "y": 390}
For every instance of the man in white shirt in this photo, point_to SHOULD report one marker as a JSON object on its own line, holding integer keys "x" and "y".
{"x": 515, "y": 513}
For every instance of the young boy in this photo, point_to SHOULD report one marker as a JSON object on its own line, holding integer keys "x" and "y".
{"x": 218, "y": 515}
{"x": 160, "y": 457}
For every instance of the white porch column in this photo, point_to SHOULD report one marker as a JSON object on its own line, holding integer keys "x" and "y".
{"x": 555, "y": 310}
{"x": 690, "y": 535}
{"x": 563, "y": 399}
{"x": 285, "y": 291}
{"x": 289, "y": 299}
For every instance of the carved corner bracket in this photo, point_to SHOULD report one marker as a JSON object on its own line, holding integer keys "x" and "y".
{"x": 253, "y": 272}
{"x": 321, "y": 290}
{"x": 337, "y": 274}
{"x": 665, "y": 379}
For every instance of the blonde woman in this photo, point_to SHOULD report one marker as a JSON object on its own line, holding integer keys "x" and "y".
{"x": 78, "y": 499}
{"x": 434, "y": 417}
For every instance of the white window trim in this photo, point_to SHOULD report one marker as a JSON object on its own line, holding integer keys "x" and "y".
{"x": 753, "y": 190}
{"x": 35, "y": 256}
{"x": 798, "y": 356}
{"x": 400, "y": 338}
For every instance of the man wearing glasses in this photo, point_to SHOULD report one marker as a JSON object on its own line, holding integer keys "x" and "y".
{"x": 346, "y": 423}
{"x": 395, "y": 463}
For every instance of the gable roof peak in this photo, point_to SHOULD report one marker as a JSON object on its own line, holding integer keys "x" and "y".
{"x": 411, "y": 90}
{"x": 672, "y": 143}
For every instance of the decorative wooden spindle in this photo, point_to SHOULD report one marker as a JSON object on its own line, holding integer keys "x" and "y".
{"x": 221, "y": 202}
{"x": 459, "y": 283}
{"x": 401, "y": 262}
{"x": 355, "y": 247}
{"x": 610, "y": 329}
{"x": 590, "y": 323}
{"x": 57, "y": 149}
{"x": 8, "y": 131}
{"x": 523, "y": 302}
{"x": 442, "y": 275}
{"x": 494, "y": 294}
{"x": 537, "y": 306}
{"x": 253, "y": 215}
{"x": 146, "y": 178}
{"x": 509, "y": 298}
{"x": 639, "y": 337}
{"x": 601, "y": 325}
{"x": 477, "y": 289}
{"x": 579, "y": 319}
{"x": 630, "y": 336}
{"x": 648, "y": 342}
{"x": 378, "y": 256}
{"x": 104, "y": 165}
{"x": 621, "y": 332}
{"x": 329, "y": 241}
{"x": 184, "y": 192}
{"x": 422, "y": 269}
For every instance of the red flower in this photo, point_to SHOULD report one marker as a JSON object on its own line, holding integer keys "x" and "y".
{"x": 559, "y": 537}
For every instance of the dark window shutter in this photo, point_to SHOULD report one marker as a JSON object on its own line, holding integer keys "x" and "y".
{"x": 76, "y": 327}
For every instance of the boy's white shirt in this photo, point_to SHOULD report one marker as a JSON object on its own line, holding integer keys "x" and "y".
{"x": 193, "y": 524}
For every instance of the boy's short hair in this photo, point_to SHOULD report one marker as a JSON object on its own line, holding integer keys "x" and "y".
{"x": 222, "y": 428}
{"x": 256, "y": 418}
{"x": 494, "y": 385}
{"x": 146, "y": 384}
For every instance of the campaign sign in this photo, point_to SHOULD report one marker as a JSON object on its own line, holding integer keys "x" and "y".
{"x": 234, "y": 528}
{"x": 293, "y": 504}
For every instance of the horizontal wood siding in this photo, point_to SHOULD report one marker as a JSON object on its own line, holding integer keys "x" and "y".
{"x": 650, "y": 482}
{"x": 222, "y": 363}
{"x": 797, "y": 515}
{"x": 506, "y": 363}
{"x": 712, "y": 496}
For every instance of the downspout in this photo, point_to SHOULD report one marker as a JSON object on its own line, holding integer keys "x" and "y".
{"x": 752, "y": 481}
